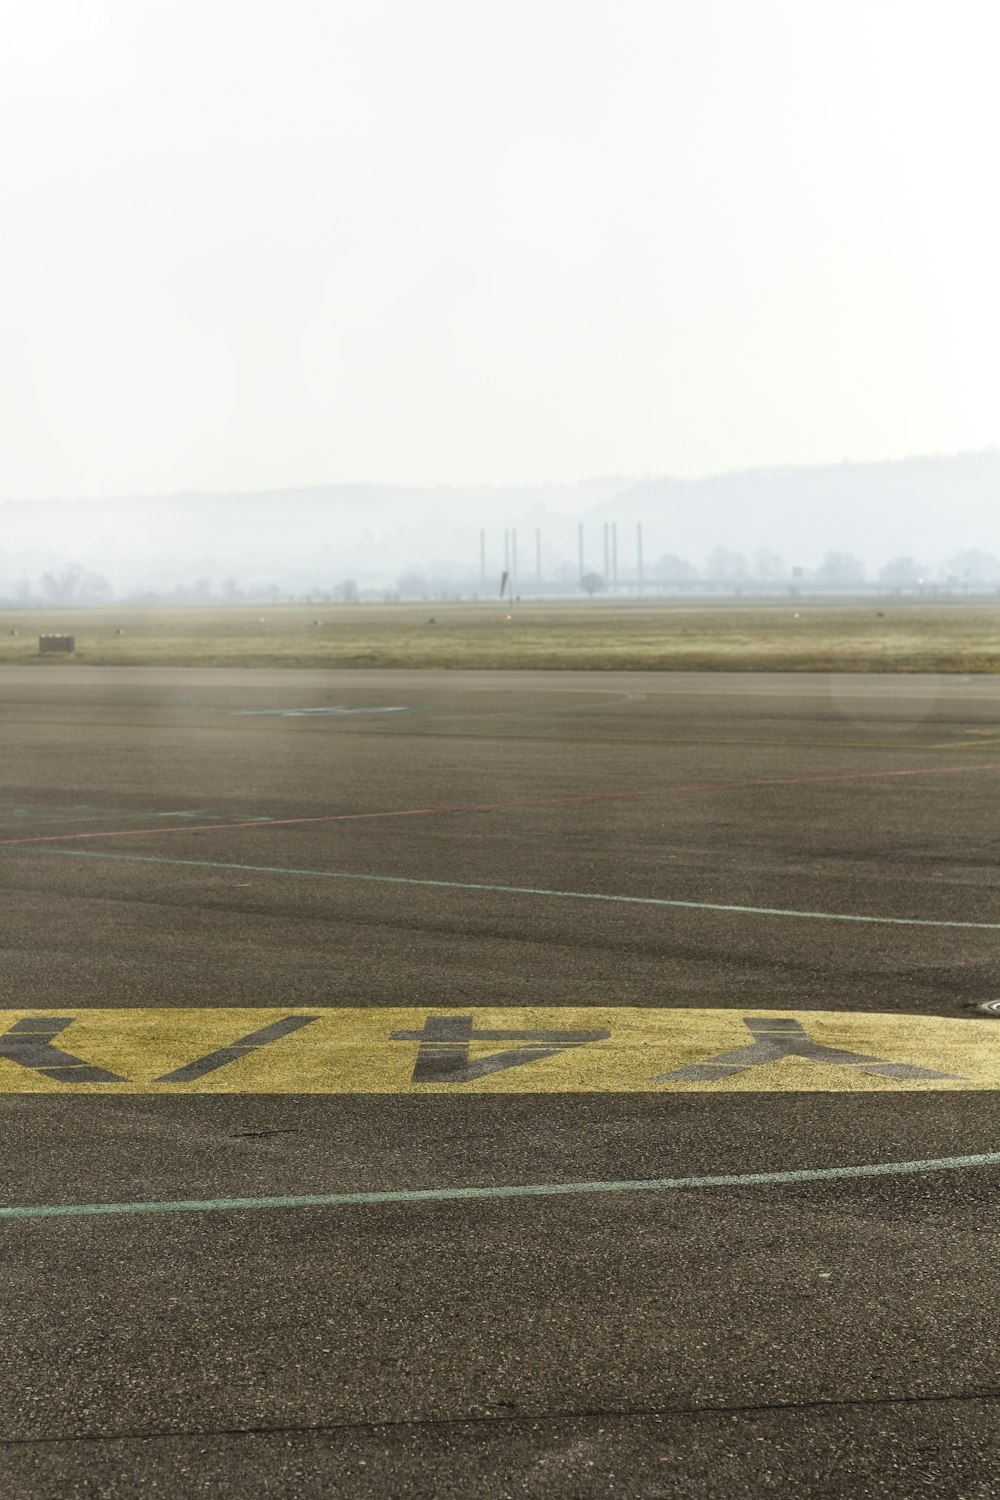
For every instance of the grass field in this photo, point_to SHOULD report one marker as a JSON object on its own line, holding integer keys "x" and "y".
{"x": 648, "y": 635}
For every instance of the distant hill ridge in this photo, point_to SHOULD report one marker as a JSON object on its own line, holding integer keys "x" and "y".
{"x": 926, "y": 507}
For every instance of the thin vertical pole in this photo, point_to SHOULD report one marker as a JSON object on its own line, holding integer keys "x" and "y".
{"x": 614, "y": 554}
{"x": 538, "y": 554}
{"x": 638, "y": 554}
{"x": 482, "y": 558}
{"x": 607, "y": 555}
{"x": 579, "y": 540}
{"x": 513, "y": 561}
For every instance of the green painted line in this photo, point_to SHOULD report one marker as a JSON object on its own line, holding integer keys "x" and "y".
{"x": 338, "y": 711}
{"x": 509, "y": 890}
{"x": 479, "y": 1194}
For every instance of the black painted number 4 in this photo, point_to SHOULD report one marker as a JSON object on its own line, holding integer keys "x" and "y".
{"x": 443, "y": 1054}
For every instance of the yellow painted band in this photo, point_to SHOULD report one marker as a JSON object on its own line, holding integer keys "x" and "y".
{"x": 603, "y": 1050}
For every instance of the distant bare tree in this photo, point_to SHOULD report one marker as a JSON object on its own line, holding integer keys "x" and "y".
{"x": 199, "y": 591}
{"x": 769, "y": 565}
{"x": 840, "y": 569}
{"x": 901, "y": 572}
{"x": 74, "y": 585}
{"x": 973, "y": 566}
{"x": 412, "y": 586}
{"x": 346, "y": 592}
{"x": 592, "y": 583}
{"x": 726, "y": 565}
{"x": 673, "y": 569}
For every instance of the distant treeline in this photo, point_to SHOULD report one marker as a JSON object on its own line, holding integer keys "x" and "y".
{"x": 724, "y": 571}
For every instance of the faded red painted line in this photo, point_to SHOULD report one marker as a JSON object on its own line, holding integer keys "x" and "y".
{"x": 509, "y": 806}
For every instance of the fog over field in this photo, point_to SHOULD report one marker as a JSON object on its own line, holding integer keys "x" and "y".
{"x": 926, "y": 518}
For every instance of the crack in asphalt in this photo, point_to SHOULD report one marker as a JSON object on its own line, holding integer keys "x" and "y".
{"x": 509, "y": 1419}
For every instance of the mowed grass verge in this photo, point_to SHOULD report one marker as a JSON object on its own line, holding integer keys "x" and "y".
{"x": 604, "y": 635}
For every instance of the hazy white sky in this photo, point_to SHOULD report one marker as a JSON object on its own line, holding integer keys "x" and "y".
{"x": 253, "y": 243}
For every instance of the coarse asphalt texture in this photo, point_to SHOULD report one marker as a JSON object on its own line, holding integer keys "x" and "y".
{"x": 812, "y": 1337}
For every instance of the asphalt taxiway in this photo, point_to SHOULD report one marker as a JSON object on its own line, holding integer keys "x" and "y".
{"x": 574, "y": 943}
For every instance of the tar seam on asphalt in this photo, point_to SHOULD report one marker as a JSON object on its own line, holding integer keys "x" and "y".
{"x": 507, "y": 1419}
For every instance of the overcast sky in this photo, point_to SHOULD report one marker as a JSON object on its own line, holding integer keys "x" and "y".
{"x": 253, "y": 243}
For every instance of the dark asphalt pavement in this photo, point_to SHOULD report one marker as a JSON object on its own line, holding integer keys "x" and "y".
{"x": 816, "y": 1338}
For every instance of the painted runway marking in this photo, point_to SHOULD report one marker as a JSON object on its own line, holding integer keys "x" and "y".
{"x": 86, "y": 812}
{"x": 776, "y": 1037}
{"x": 575, "y": 798}
{"x": 265, "y": 1036}
{"x": 495, "y": 1050}
{"x": 443, "y": 1053}
{"x": 744, "y": 742}
{"x": 521, "y": 1190}
{"x": 29, "y": 1044}
{"x": 553, "y": 738}
{"x": 90, "y": 813}
{"x": 518, "y": 890}
{"x": 340, "y": 711}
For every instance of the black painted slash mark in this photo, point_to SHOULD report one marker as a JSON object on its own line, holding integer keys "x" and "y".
{"x": 29, "y": 1042}
{"x": 191, "y": 1072}
{"x": 443, "y": 1056}
{"x": 779, "y": 1036}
